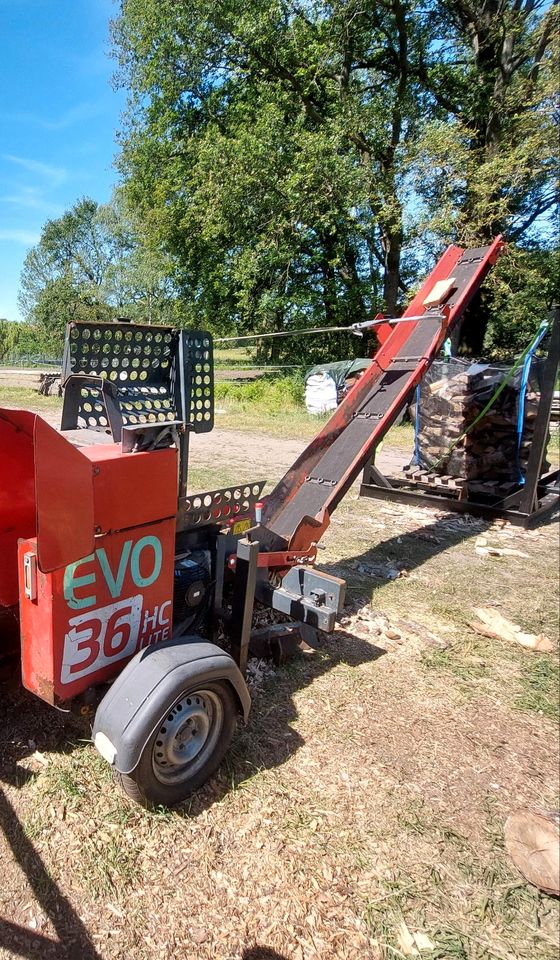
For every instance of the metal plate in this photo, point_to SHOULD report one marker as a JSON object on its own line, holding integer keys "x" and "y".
{"x": 126, "y": 355}
{"x": 136, "y": 360}
{"x": 219, "y": 506}
{"x": 157, "y": 375}
{"x": 64, "y": 495}
{"x": 199, "y": 382}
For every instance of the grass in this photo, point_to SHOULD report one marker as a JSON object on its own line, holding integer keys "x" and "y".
{"x": 540, "y": 684}
{"x": 28, "y": 399}
{"x": 231, "y": 357}
{"x": 369, "y": 788}
{"x": 270, "y": 405}
{"x": 484, "y": 667}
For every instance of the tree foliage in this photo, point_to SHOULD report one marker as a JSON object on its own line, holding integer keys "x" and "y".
{"x": 290, "y": 164}
{"x": 15, "y": 340}
{"x": 491, "y": 145}
{"x": 90, "y": 264}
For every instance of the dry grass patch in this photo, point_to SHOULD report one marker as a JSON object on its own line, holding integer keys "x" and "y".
{"x": 365, "y": 797}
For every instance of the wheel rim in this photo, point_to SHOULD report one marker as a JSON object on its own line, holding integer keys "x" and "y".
{"x": 187, "y": 736}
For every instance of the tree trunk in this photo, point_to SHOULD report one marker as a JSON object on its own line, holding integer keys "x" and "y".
{"x": 392, "y": 246}
{"x": 330, "y": 302}
{"x": 356, "y": 310}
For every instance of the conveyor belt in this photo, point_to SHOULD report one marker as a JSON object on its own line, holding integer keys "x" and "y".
{"x": 298, "y": 509}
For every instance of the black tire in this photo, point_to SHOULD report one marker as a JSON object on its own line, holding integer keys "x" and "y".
{"x": 192, "y": 734}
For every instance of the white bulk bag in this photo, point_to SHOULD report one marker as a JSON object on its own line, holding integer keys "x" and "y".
{"x": 320, "y": 393}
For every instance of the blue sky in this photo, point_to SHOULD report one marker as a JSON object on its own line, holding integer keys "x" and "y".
{"x": 58, "y": 120}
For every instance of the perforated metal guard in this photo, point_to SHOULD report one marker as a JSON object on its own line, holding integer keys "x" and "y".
{"x": 218, "y": 506}
{"x": 150, "y": 374}
{"x": 199, "y": 383}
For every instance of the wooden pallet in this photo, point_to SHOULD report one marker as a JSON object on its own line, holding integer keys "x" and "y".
{"x": 461, "y": 487}
{"x": 429, "y": 479}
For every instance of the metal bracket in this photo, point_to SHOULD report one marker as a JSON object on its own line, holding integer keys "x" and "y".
{"x": 243, "y": 600}
{"x": 279, "y": 558}
{"x": 298, "y": 596}
{"x": 396, "y": 360}
{"x": 321, "y": 480}
{"x": 150, "y": 436}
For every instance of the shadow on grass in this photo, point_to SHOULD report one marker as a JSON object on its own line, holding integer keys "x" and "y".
{"x": 258, "y": 952}
{"x": 74, "y": 942}
{"x": 410, "y": 549}
{"x": 28, "y": 724}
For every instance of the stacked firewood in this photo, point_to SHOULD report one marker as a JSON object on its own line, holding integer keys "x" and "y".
{"x": 452, "y": 397}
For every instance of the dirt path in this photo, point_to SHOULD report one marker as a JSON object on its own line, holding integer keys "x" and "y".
{"x": 271, "y": 454}
{"x": 247, "y": 457}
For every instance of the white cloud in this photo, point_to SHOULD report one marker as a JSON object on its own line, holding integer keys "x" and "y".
{"x": 55, "y": 175}
{"x": 31, "y": 198}
{"x": 28, "y": 237}
{"x": 82, "y": 111}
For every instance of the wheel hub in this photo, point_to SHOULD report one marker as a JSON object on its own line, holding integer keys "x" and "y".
{"x": 186, "y": 735}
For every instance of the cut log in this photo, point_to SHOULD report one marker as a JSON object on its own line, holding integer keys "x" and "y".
{"x": 453, "y": 395}
{"x": 493, "y": 624}
{"x": 532, "y": 839}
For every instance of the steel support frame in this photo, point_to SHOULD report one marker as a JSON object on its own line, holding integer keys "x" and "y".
{"x": 537, "y": 497}
{"x": 548, "y": 499}
{"x": 239, "y": 628}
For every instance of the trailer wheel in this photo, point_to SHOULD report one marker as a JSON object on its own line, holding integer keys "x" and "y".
{"x": 192, "y": 734}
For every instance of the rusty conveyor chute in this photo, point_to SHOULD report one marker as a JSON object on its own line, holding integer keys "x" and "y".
{"x": 298, "y": 509}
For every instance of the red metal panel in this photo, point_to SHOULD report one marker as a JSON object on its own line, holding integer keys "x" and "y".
{"x": 90, "y": 617}
{"x": 45, "y": 489}
{"x": 130, "y": 489}
{"x": 17, "y": 495}
{"x": 64, "y": 491}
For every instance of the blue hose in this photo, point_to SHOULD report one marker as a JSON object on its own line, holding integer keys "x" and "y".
{"x": 523, "y": 391}
{"x": 416, "y": 455}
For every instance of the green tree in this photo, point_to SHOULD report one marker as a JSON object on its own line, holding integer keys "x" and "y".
{"x": 266, "y": 147}
{"x": 305, "y": 163}
{"x": 492, "y": 72}
{"x": 486, "y": 162}
{"x": 91, "y": 264}
{"x": 14, "y": 341}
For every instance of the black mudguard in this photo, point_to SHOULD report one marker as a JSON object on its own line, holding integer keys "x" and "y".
{"x": 123, "y": 726}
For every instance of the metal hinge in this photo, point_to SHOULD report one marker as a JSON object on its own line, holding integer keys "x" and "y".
{"x": 30, "y": 576}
